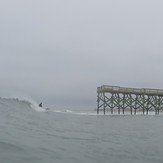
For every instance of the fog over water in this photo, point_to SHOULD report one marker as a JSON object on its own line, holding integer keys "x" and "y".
{"x": 58, "y": 52}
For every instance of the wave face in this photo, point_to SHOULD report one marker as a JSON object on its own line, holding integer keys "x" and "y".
{"x": 15, "y": 103}
{"x": 29, "y": 134}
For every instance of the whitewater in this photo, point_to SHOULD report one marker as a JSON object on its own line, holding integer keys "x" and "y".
{"x": 29, "y": 134}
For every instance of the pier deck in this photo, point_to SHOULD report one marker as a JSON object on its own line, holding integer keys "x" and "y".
{"x": 133, "y": 99}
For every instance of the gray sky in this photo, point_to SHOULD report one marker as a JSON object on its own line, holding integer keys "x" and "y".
{"x": 59, "y": 51}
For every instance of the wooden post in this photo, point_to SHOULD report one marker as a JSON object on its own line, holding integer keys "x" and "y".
{"x": 118, "y": 99}
{"x": 123, "y": 104}
{"x": 144, "y": 106}
{"x": 104, "y": 102}
{"x": 130, "y": 104}
{"x": 136, "y": 99}
{"x": 112, "y": 103}
{"x": 148, "y": 102}
{"x": 98, "y": 100}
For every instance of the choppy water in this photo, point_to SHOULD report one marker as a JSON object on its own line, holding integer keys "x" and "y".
{"x": 31, "y": 135}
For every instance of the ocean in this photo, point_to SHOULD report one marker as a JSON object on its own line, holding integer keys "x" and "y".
{"x": 29, "y": 134}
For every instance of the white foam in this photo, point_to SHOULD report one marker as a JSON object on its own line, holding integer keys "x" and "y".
{"x": 73, "y": 112}
{"x": 36, "y": 107}
{"x": 33, "y": 104}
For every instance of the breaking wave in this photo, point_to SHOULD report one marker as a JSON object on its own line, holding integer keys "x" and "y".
{"x": 16, "y": 103}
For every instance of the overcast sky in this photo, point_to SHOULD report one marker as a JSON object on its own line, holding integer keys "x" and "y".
{"x": 59, "y": 51}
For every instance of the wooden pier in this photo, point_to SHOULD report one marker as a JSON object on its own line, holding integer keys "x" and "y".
{"x": 115, "y": 98}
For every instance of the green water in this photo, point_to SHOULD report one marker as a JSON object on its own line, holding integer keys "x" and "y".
{"x": 30, "y": 136}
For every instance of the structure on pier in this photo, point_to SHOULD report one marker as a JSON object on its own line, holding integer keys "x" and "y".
{"x": 110, "y": 98}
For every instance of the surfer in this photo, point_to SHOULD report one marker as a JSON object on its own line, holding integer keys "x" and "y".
{"x": 46, "y": 109}
{"x": 40, "y": 105}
